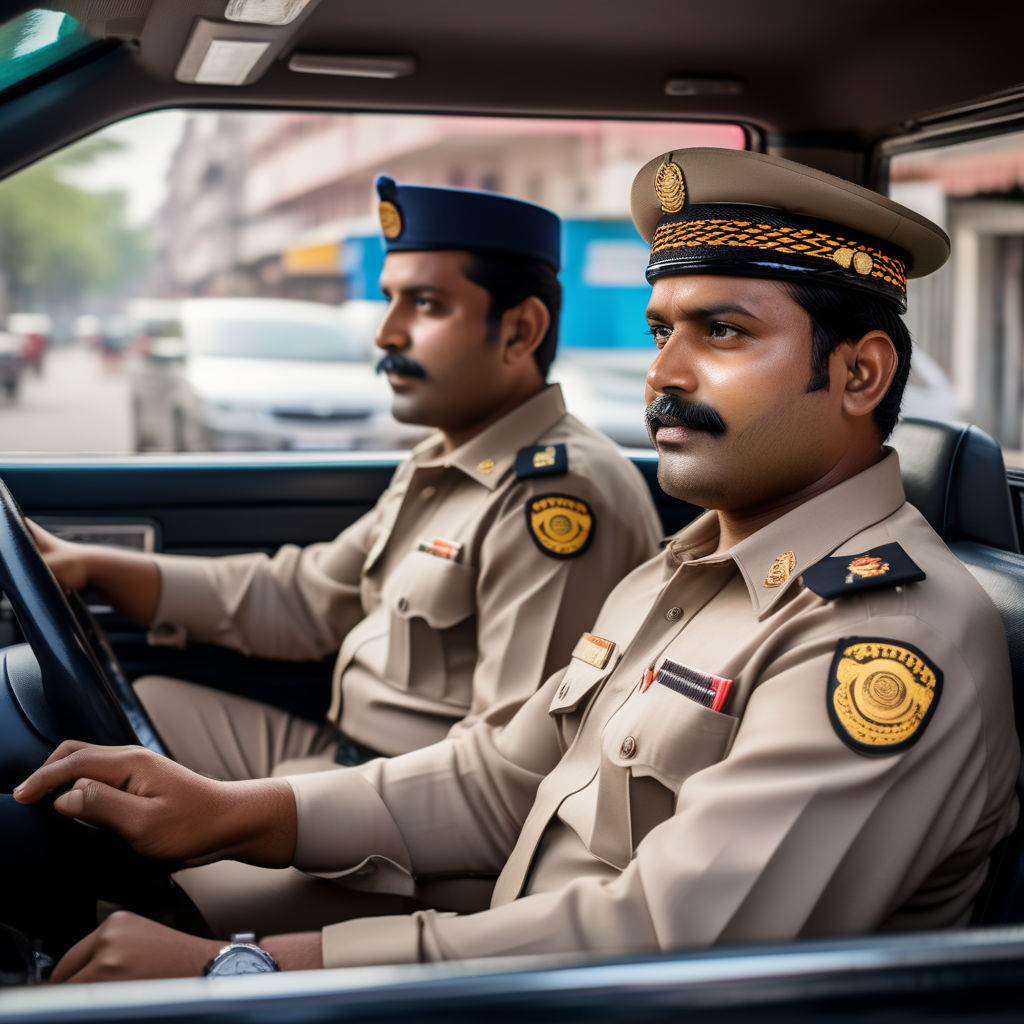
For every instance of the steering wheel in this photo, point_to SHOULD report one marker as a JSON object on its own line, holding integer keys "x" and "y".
{"x": 80, "y": 689}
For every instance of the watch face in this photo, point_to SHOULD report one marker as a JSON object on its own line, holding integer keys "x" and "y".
{"x": 241, "y": 960}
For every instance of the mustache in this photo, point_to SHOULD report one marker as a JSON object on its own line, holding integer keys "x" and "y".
{"x": 671, "y": 411}
{"x": 402, "y": 366}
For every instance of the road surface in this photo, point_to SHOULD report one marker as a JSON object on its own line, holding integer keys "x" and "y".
{"x": 77, "y": 406}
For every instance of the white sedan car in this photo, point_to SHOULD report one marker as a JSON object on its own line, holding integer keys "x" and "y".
{"x": 256, "y": 374}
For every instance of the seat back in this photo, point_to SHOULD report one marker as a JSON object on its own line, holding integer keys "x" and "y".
{"x": 954, "y": 475}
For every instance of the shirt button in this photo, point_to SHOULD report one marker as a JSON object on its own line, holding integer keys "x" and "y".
{"x": 674, "y": 613}
{"x": 402, "y": 604}
{"x": 428, "y": 492}
{"x": 563, "y": 690}
{"x": 628, "y": 748}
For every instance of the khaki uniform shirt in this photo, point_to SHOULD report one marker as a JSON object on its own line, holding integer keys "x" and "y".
{"x": 427, "y": 638}
{"x": 631, "y": 819}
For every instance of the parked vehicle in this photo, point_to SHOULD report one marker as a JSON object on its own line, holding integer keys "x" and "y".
{"x": 35, "y": 334}
{"x": 262, "y": 375}
{"x": 10, "y": 365}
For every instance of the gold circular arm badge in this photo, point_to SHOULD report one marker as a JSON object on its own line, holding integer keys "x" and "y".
{"x": 560, "y": 526}
{"x": 881, "y": 694}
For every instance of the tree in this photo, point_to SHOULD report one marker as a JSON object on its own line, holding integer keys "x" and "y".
{"x": 58, "y": 241}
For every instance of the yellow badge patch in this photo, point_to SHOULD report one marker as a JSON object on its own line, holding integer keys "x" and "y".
{"x": 881, "y": 694}
{"x": 390, "y": 219}
{"x": 560, "y": 526}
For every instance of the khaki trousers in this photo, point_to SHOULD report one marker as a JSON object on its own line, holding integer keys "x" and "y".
{"x": 229, "y": 737}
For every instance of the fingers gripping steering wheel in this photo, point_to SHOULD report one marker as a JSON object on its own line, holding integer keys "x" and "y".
{"x": 84, "y": 693}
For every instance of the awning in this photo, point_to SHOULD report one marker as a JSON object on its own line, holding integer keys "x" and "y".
{"x": 320, "y": 259}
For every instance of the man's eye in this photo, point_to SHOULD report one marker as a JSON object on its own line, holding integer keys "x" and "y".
{"x": 719, "y": 330}
{"x": 660, "y": 333}
{"x": 427, "y": 304}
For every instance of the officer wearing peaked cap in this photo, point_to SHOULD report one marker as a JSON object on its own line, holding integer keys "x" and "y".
{"x": 794, "y": 721}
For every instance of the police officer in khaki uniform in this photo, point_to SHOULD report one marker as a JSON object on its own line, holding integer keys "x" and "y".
{"x": 795, "y": 721}
{"x": 469, "y": 581}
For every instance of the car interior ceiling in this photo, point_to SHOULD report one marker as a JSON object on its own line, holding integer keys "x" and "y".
{"x": 826, "y": 103}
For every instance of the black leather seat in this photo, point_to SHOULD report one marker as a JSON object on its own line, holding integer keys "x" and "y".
{"x": 955, "y": 475}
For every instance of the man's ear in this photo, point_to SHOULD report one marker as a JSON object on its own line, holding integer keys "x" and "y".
{"x": 524, "y": 328}
{"x": 868, "y": 367}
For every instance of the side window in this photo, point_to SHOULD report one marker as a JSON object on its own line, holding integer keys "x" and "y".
{"x": 208, "y": 281}
{"x": 968, "y": 319}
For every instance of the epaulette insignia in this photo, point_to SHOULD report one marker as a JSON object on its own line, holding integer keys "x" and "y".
{"x": 560, "y": 526}
{"x": 885, "y": 566}
{"x": 542, "y": 460}
{"x": 881, "y": 694}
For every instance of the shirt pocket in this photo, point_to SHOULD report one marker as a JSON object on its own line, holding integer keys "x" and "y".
{"x": 667, "y": 736}
{"x": 649, "y": 748}
{"x": 431, "y": 605}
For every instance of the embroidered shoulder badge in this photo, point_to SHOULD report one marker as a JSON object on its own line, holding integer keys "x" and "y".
{"x": 560, "y": 526}
{"x": 542, "y": 460}
{"x": 881, "y": 694}
{"x": 885, "y": 566}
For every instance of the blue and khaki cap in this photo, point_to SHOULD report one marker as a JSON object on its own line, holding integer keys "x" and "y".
{"x": 419, "y": 217}
{"x": 720, "y": 211}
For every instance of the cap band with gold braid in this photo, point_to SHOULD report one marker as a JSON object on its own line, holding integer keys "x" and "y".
{"x": 734, "y": 212}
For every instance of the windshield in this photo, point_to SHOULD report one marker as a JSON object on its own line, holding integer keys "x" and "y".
{"x": 273, "y": 339}
{"x": 254, "y": 236}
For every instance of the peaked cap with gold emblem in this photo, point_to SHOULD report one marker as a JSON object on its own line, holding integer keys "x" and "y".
{"x": 419, "y": 217}
{"x": 722, "y": 211}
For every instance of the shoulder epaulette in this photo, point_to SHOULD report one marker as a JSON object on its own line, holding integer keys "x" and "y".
{"x": 885, "y": 566}
{"x": 542, "y": 460}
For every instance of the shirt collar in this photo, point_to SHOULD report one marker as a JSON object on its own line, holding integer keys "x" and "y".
{"x": 807, "y": 533}
{"x": 489, "y": 455}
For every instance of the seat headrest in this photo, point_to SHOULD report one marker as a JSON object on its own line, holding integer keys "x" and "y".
{"x": 953, "y": 473}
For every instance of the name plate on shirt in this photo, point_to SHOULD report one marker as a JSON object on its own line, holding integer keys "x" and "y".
{"x": 441, "y": 548}
{"x": 594, "y": 650}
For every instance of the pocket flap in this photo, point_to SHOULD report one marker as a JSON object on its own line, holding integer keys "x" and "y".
{"x": 665, "y": 735}
{"x": 579, "y": 682}
{"x": 438, "y": 590}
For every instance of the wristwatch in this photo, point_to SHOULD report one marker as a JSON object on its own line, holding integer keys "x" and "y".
{"x": 241, "y": 956}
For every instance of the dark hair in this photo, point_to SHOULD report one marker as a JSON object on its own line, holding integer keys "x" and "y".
{"x": 512, "y": 279}
{"x": 838, "y": 315}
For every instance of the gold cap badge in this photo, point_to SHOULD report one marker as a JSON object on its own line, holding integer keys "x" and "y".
{"x": 670, "y": 186}
{"x": 781, "y": 569}
{"x": 559, "y": 525}
{"x": 390, "y": 219}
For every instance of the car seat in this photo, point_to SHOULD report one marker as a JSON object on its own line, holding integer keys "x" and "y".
{"x": 955, "y": 475}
